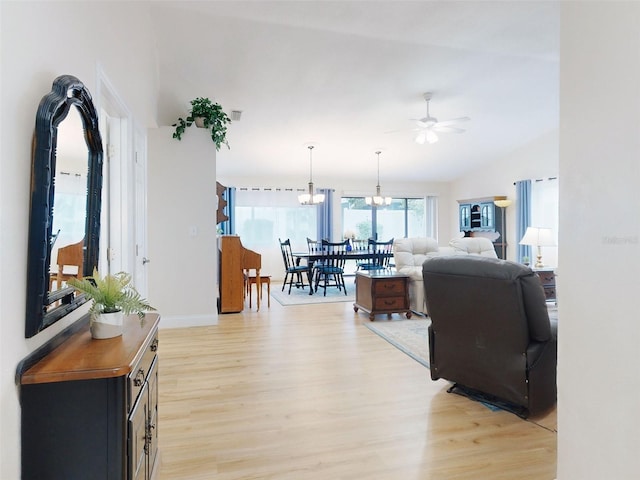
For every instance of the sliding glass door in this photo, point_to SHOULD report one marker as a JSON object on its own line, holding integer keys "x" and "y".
{"x": 404, "y": 217}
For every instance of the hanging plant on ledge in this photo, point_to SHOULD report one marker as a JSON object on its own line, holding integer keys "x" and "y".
{"x": 205, "y": 114}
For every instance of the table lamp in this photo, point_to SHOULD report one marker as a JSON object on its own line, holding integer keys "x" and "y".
{"x": 538, "y": 237}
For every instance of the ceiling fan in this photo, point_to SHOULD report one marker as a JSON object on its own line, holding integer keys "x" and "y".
{"x": 428, "y": 127}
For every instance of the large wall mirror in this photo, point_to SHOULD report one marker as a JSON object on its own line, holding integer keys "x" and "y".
{"x": 66, "y": 189}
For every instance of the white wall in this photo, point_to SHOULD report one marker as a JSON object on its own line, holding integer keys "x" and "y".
{"x": 182, "y": 242}
{"x": 538, "y": 159}
{"x": 599, "y": 337}
{"x": 40, "y": 41}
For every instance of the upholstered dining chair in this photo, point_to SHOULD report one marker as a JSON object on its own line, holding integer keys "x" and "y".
{"x": 329, "y": 272}
{"x": 293, "y": 272}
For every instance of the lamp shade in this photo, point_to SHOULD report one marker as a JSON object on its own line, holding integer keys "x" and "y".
{"x": 310, "y": 198}
{"x": 539, "y": 237}
{"x": 502, "y": 203}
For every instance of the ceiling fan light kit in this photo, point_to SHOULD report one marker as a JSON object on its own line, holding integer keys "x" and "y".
{"x": 428, "y": 136}
{"x": 428, "y": 127}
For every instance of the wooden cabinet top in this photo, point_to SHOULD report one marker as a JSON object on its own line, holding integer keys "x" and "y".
{"x": 483, "y": 199}
{"x": 83, "y": 358}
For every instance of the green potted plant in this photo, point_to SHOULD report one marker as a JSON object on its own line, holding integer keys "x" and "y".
{"x": 525, "y": 260}
{"x": 112, "y": 297}
{"x": 205, "y": 114}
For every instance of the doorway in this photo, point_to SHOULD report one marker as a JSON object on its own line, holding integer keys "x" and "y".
{"x": 124, "y": 214}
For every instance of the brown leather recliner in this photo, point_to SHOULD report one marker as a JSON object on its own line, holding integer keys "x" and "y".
{"x": 490, "y": 332}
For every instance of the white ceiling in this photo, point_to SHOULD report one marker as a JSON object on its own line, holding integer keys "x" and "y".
{"x": 341, "y": 74}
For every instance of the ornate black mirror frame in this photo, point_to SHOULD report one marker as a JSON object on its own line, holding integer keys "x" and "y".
{"x": 43, "y": 307}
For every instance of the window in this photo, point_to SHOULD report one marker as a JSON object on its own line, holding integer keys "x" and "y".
{"x": 404, "y": 217}
{"x": 544, "y": 213}
{"x": 262, "y": 216}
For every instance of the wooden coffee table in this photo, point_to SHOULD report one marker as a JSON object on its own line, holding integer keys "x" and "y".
{"x": 382, "y": 291}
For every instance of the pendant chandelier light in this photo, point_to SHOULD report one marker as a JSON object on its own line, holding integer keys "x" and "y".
{"x": 378, "y": 200}
{"x": 310, "y": 198}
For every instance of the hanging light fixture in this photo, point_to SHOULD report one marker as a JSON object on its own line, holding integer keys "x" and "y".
{"x": 427, "y": 135}
{"x": 427, "y": 124}
{"x": 310, "y": 198}
{"x": 378, "y": 200}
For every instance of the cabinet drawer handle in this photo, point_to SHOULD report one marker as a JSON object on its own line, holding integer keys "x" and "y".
{"x": 139, "y": 378}
{"x": 154, "y": 345}
{"x": 148, "y": 437}
{"x": 390, "y": 286}
{"x": 389, "y": 302}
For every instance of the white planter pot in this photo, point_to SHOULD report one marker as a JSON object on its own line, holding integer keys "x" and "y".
{"x": 107, "y": 325}
{"x": 199, "y": 121}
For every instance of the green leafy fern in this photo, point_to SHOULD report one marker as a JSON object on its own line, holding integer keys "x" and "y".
{"x": 111, "y": 293}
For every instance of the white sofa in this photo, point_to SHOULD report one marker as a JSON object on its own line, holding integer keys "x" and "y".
{"x": 410, "y": 253}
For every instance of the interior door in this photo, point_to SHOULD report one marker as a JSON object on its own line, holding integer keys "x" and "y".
{"x": 105, "y": 216}
{"x": 140, "y": 187}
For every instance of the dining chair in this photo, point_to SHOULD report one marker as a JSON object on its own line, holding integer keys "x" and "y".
{"x": 329, "y": 272}
{"x": 360, "y": 246}
{"x": 380, "y": 255}
{"x": 293, "y": 271}
{"x": 69, "y": 261}
{"x": 315, "y": 250}
{"x": 314, "y": 246}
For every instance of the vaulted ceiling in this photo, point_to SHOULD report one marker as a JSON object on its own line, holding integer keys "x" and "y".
{"x": 342, "y": 74}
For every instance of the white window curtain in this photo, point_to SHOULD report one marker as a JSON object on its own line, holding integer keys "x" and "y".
{"x": 432, "y": 217}
{"x": 264, "y": 215}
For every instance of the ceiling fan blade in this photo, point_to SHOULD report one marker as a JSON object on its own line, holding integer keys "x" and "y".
{"x": 445, "y": 129}
{"x": 403, "y": 130}
{"x": 453, "y": 121}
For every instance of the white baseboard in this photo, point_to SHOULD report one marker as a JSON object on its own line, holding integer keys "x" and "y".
{"x": 185, "y": 321}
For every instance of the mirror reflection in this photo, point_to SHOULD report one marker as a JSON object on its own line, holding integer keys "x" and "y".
{"x": 69, "y": 203}
{"x": 66, "y": 195}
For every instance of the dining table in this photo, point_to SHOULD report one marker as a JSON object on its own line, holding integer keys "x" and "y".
{"x": 311, "y": 258}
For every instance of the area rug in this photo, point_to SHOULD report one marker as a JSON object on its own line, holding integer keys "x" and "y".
{"x": 408, "y": 336}
{"x": 301, "y": 296}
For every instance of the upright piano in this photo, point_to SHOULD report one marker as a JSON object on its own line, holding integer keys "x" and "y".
{"x": 234, "y": 260}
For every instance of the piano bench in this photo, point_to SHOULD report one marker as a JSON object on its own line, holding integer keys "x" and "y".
{"x": 250, "y": 279}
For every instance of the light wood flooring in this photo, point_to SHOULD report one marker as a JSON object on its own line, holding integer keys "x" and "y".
{"x": 308, "y": 392}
